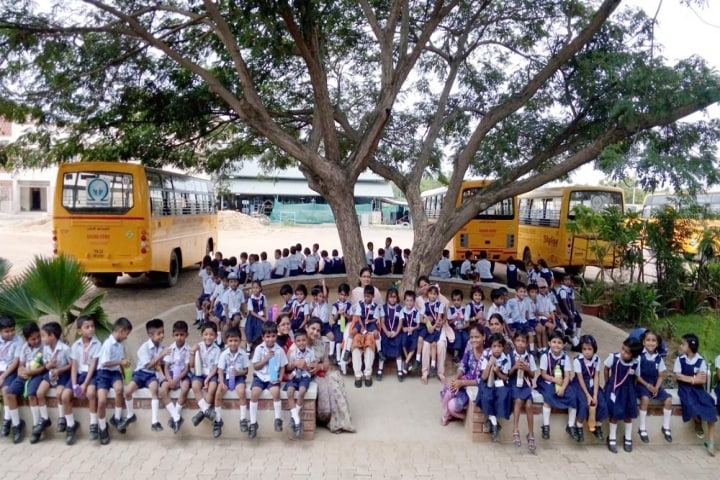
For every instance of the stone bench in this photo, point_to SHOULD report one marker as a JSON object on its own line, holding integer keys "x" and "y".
{"x": 475, "y": 423}
{"x": 231, "y": 412}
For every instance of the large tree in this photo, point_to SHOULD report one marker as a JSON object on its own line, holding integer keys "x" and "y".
{"x": 522, "y": 92}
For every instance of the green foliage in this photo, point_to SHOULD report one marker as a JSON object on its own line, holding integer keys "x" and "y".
{"x": 592, "y": 293}
{"x": 663, "y": 236}
{"x": 5, "y": 267}
{"x": 636, "y": 304}
{"x": 706, "y": 326}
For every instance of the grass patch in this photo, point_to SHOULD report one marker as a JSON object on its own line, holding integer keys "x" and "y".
{"x": 705, "y": 326}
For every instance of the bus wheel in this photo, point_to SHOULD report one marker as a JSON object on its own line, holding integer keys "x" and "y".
{"x": 527, "y": 256}
{"x": 171, "y": 277}
{"x": 105, "y": 280}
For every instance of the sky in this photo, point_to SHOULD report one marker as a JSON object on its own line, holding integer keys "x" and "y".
{"x": 682, "y": 31}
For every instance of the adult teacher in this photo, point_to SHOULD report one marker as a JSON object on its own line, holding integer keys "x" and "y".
{"x": 358, "y": 294}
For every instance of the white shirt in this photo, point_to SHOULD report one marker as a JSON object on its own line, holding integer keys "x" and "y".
{"x": 85, "y": 355}
{"x": 61, "y": 354}
{"x": 444, "y": 267}
{"x": 111, "y": 351}
{"x": 218, "y": 292}
{"x": 26, "y": 354}
{"x": 281, "y": 266}
{"x": 296, "y": 354}
{"x": 208, "y": 286}
{"x": 369, "y": 257}
{"x": 321, "y": 311}
{"x": 233, "y": 300}
{"x": 266, "y": 269}
{"x": 466, "y": 267}
{"x": 145, "y": 355}
{"x": 502, "y": 310}
{"x": 294, "y": 261}
{"x": 544, "y": 305}
{"x": 702, "y": 368}
{"x": 8, "y": 351}
{"x": 483, "y": 267}
{"x": 177, "y": 358}
{"x": 520, "y": 311}
{"x": 209, "y": 357}
{"x": 260, "y": 352}
{"x": 238, "y": 361}
{"x": 389, "y": 256}
{"x": 311, "y": 263}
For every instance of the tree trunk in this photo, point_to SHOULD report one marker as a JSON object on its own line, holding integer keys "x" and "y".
{"x": 342, "y": 204}
{"x": 426, "y": 251}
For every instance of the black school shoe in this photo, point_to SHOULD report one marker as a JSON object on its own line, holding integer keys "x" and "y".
{"x": 70, "y": 433}
{"x": 6, "y": 427}
{"x": 627, "y": 445}
{"x": 278, "y": 425}
{"x": 61, "y": 425}
{"x": 39, "y": 429}
{"x": 495, "y": 432}
{"x": 177, "y": 425}
{"x": 123, "y": 424}
{"x": 118, "y": 424}
{"x": 298, "y": 429}
{"x": 93, "y": 431}
{"x": 198, "y": 418}
{"x": 104, "y": 434}
{"x": 252, "y": 430}
{"x": 156, "y": 427}
{"x": 18, "y": 432}
{"x": 612, "y": 445}
{"x": 545, "y": 429}
{"x": 644, "y": 436}
{"x": 579, "y": 434}
{"x": 572, "y": 432}
{"x": 598, "y": 433}
{"x": 217, "y": 428}
{"x": 358, "y": 383}
{"x": 666, "y": 433}
{"x": 368, "y": 382}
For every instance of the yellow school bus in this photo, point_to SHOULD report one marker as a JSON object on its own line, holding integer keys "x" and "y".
{"x": 120, "y": 218}
{"x": 492, "y": 230}
{"x": 542, "y": 225}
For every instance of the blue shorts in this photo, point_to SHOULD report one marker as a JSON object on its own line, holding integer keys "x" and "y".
{"x": 239, "y": 380}
{"x": 533, "y": 322}
{"x": 202, "y": 298}
{"x": 61, "y": 380}
{"x": 297, "y": 383}
{"x": 105, "y": 378}
{"x": 143, "y": 378}
{"x": 81, "y": 376}
{"x": 17, "y": 387}
{"x": 521, "y": 327}
{"x": 431, "y": 337}
{"x": 257, "y": 383}
{"x": 325, "y": 329}
{"x": 201, "y": 378}
{"x": 9, "y": 379}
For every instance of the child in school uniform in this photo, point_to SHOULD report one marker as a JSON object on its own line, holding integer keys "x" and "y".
{"x": 205, "y": 379}
{"x": 176, "y": 368}
{"x": 619, "y": 390}
{"x": 519, "y": 311}
{"x": 10, "y": 343}
{"x": 364, "y": 336}
{"x": 497, "y": 297}
{"x": 454, "y": 397}
{"x": 591, "y": 402}
{"x": 149, "y": 360}
{"x": 433, "y": 321}
{"x": 286, "y": 292}
{"x": 300, "y": 310}
{"x": 232, "y": 370}
{"x": 483, "y": 268}
{"x": 466, "y": 268}
{"x": 411, "y": 331}
{"x": 56, "y": 356}
{"x": 650, "y": 376}
{"x": 326, "y": 262}
{"x": 257, "y": 313}
{"x": 391, "y": 333}
{"x": 512, "y": 273}
{"x": 397, "y": 264}
{"x": 29, "y": 375}
{"x": 109, "y": 375}
{"x": 476, "y": 307}
{"x": 379, "y": 263}
{"x": 300, "y": 359}
{"x": 566, "y": 302}
{"x": 369, "y": 255}
{"x": 319, "y": 307}
{"x": 84, "y": 356}
{"x": 493, "y": 392}
{"x": 207, "y": 277}
{"x": 555, "y": 373}
{"x": 265, "y": 266}
{"x": 691, "y": 371}
{"x": 459, "y": 319}
{"x": 339, "y": 315}
{"x": 520, "y": 378}
{"x": 268, "y": 361}
{"x": 233, "y": 304}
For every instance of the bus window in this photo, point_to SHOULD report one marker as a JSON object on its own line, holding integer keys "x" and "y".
{"x": 97, "y": 192}
{"x": 596, "y": 200}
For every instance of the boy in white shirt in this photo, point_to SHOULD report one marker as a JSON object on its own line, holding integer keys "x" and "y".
{"x": 232, "y": 371}
{"x": 300, "y": 357}
{"x": 176, "y": 369}
{"x": 10, "y": 343}
{"x": 268, "y": 361}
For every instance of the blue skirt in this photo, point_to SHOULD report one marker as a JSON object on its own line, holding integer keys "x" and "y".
{"x": 431, "y": 337}
{"x": 583, "y": 409}
{"x": 696, "y": 402}
{"x": 392, "y": 347}
{"x": 624, "y": 405}
{"x": 520, "y": 393}
{"x": 547, "y": 390}
{"x": 337, "y": 333}
{"x": 642, "y": 391}
{"x": 494, "y": 400}
{"x": 253, "y": 329}
{"x": 410, "y": 342}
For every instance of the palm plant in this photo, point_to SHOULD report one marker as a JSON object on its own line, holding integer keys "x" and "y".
{"x": 5, "y": 267}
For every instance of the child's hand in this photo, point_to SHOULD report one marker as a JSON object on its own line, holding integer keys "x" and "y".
{"x": 124, "y": 363}
{"x": 206, "y": 384}
{"x": 561, "y": 392}
{"x": 590, "y": 400}
{"x": 301, "y": 364}
{"x": 700, "y": 378}
{"x": 194, "y": 350}
{"x": 558, "y": 381}
{"x": 270, "y": 355}
{"x": 51, "y": 364}
{"x": 172, "y": 383}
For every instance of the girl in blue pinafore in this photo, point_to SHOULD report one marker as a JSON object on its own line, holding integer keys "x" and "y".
{"x": 650, "y": 376}
{"x": 691, "y": 372}
{"x": 257, "y": 313}
{"x": 586, "y": 386}
{"x": 493, "y": 392}
{"x": 454, "y": 396}
{"x": 522, "y": 372}
{"x": 620, "y": 395}
{"x": 391, "y": 333}
{"x": 554, "y": 389}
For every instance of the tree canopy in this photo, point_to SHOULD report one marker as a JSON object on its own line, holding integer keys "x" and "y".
{"x": 521, "y": 92}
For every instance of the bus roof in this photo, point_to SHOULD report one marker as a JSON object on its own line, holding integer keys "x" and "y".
{"x": 560, "y": 191}
{"x": 469, "y": 183}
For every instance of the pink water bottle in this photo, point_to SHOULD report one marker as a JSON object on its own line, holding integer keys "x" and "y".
{"x": 273, "y": 312}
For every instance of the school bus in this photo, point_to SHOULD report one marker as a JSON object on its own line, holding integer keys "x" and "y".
{"x": 120, "y": 218}
{"x": 542, "y": 225}
{"x": 492, "y": 230}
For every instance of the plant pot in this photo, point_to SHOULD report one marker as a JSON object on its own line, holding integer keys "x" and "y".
{"x": 594, "y": 309}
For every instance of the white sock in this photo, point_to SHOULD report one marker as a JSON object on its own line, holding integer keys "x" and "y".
{"x": 102, "y": 423}
{"x": 378, "y": 345}
{"x": 578, "y": 332}
{"x": 253, "y": 412}
{"x": 203, "y": 405}
{"x": 43, "y": 411}
{"x": 398, "y": 363}
{"x": 572, "y": 416}
{"x": 331, "y": 350}
{"x": 6, "y": 411}
{"x": 218, "y": 414}
{"x": 35, "y": 411}
{"x": 493, "y": 419}
{"x": 179, "y": 409}
{"x": 295, "y": 413}
{"x": 198, "y": 314}
{"x": 532, "y": 346}
{"x": 93, "y": 419}
{"x": 613, "y": 431}
{"x": 118, "y": 413}
{"x": 277, "y": 406}
{"x": 170, "y": 407}
{"x": 60, "y": 409}
{"x": 381, "y": 364}
{"x": 433, "y": 364}
{"x": 628, "y": 430}
{"x": 70, "y": 419}
{"x": 579, "y": 424}
{"x": 417, "y": 356}
{"x": 15, "y": 417}
{"x": 643, "y": 420}
{"x": 338, "y": 351}
{"x": 130, "y": 407}
{"x": 154, "y": 408}
{"x": 666, "y": 418}
{"x": 546, "y": 415}
{"x": 243, "y": 412}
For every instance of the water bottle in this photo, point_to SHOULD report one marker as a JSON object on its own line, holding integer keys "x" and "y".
{"x": 198, "y": 363}
{"x": 558, "y": 374}
{"x": 177, "y": 368}
{"x": 491, "y": 378}
{"x": 36, "y": 361}
{"x": 342, "y": 322}
{"x": 520, "y": 378}
{"x": 77, "y": 391}
{"x": 274, "y": 370}
{"x": 274, "y": 312}
{"x": 231, "y": 378}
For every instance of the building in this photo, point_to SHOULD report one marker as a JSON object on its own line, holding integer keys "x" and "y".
{"x": 284, "y": 195}
{"x": 27, "y": 190}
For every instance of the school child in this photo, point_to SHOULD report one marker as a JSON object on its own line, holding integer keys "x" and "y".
{"x": 232, "y": 370}
{"x": 537, "y": 323}
{"x": 265, "y": 266}
{"x": 10, "y": 343}
{"x": 149, "y": 361}
{"x": 205, "y": 379}
{"x": 311, "y": 262}
{"x": 207, "y": 276}
{"x": 176, "y": 368}
{"x": 532, "y": 273}
{"x": 268, "y": 361}
{"x": 391, "y": 333}
{"x": 56, "y": 360}
{"x": 691, "y": 371}
{"x": 326, "y": 262}
{"x": 242, "y": 270}
{"x": 519, "y": 310}
{"x": 512, "y": 273}
{"x": 300, "y": 357}
{"x": 459, "y": 319}
{"x": 566, "y": 302}
{"x": 433, "y": 320}
{"x": 300, "y": 310}
{"x": 444, "y": 265}
{"x": 388, "y": 254}
{"x": 280, "y": 269}
{"x": 483, "y": 267}
{"x": 591, "y": 401}
{"x": 379, "y": 263}
{"x": 319, "y": 308}
{"x": 650, "y": 376}
{"x": 109, "y": 375}
{"x": 476, "y": 307}
{"x": 545, "y": 309}
{"x": 397, "y": 264}
{"x": 83, "y": 357}
{"x": 364, "y": 334}
{"x": 252, "y": 268}
{"x": 555, "y": 372}
{"x": 338, "y": 262}
{"x": 520, "y": 378}
{"x": 619, "y": 390}
{"x": 545, "y": 273}
{"x": 411, "y": 332}
{"x": 29, "y": 374}
{"x": 493, "y": 393}
{"x": 370, "y": 255}
{"x": 338, "y": 321}
{"x": 215, "y": 300}
{"x": 293, "y": 262}
{"x": 286, "y": 292}
{"x": 454, "y": 397}
{"x": 497, "y": 297}
{"x": 466, "y": 269}
{"x": 257, "y": 313}
{"x": 299, "y": 258}
{"x": 233, "y": 304}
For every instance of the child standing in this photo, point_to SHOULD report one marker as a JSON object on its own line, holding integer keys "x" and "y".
{"x": 364, "y": 333}
{"x": 391, "y": 333}
{"x": 205, "y": 377}
{"x": 566, "y": 302}
{"x": 257, "y": 313}
{"x": 370, "y": 255}
{"x": 493, "y": 393}
{"x": 300, "y": 359}
{"x": 338, "y": 321}
{"x": 591, "y": 403}
{"x": 411, "y": 331}
{"x": 555, "y": 372}
{"x": 650, "y": 376}
{"x": 521, "y": 375}
{"x": 84, "y": 356}
{"x": 459, "y": 319}
{"x": 176, "y": 367}
{"x": 10, "y": 342}
{"x": 268, "y": 361}
{"x": 56, "y": 355}
{"x": 233, "y": 303}
{"x": 454, "y": 396}
{"x": 30, "y": 370}
{"x": 620, "y": 371}
{"x": 232, "y": 369}
{"x": 434, "y": 318}
{"x": 691, "y": 372}
{"x": 300, "y": 310}
{"x": 149, "y": 359}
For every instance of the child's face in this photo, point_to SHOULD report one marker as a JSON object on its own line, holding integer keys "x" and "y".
{"x": 286, "y": 296}
{"x": 520, "y": 293}
{"x": 392, "y": 299}
{"x": 208, "y": 336}
{"x": 625, "y": 354}
{"x": 87, "y": 329}
{"x": 234, "y": 283}
{"x": 7, "y": 334}
{"x": 368, "y": 298}
{"x": 457, "y": 301}
{"x": 520, "y": 344}
{"x": 495, "y": 326}
{"x": 556, "y": 345}
{"x": 587, "y": 351}
{"x": 477, "y": 297}
{"x": 256, "y": 290}
{"x": 233, "y": 343}
{"x": 499, "y": 300}
{"x": 301, "y": 341}
{"x": 121, "y": 334}
{"x": 180, "y": 338}
{"x": 225, "y": 282}
{"x": 269, "y": 339}
{"x": 320, "y": 297}
{"x": 409, "y": 303}
{"x": 568, "y": 281}
{"x": 157, "y": 336}
{"x": 532, "y": 294}
{"x": 650, "y": 342}
{"x": 299, "y": 295}
{"x": 47, "y": 339}
{"x": 342, "y": 296}
{"x": 208, "y": 269}
{"x": 432, "y": 295}
{"x": 477, "y": 339}
{"x": 497, "y": 348}
{"x": 33, "y": 340}
{"x": 684, "y": 348}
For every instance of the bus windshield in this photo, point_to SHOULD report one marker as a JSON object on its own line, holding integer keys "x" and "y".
{"x": 504, "y": 209}
{"x": 97, "y": 192}
{"x": 594, "y": 199}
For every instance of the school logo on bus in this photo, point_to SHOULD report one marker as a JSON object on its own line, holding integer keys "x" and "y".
{"x": 98, "y": 192}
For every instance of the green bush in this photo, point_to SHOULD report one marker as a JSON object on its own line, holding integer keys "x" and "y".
{"x": 634, "y": 305}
